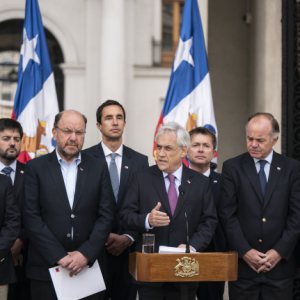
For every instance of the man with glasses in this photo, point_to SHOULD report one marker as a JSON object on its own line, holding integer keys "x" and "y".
{"x": 67, "y": 207}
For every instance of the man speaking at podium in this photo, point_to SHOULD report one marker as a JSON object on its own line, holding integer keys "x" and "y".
{"x": 153, "y": 205}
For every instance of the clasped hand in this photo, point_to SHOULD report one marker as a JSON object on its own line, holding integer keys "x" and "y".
{"x": 74, "y": 262}
{"x": 262, "y": 262}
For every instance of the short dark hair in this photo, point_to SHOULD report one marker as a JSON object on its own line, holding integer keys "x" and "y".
{"x": 108, "y": 103}
{"x": 6, "y": 123}
{"x": 274, "y": 123}
{"x": 205, "y": 131}
{"x": 60, "y": 114}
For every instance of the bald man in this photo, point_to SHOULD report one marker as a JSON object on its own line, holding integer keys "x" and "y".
{"x": 259, "y": 210}
{"x": 67, "y": 207}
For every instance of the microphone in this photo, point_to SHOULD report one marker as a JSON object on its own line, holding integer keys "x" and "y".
{"x": 181, "y": 192}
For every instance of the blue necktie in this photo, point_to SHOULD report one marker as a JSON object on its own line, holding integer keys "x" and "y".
{"x": 7, "y": 171}
{"x": 262, "y": 177}
{"x": 114, "y": 176}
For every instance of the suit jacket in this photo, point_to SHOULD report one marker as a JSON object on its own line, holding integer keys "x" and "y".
{"x": 249, "y": 221}
{"x": 148, "y": 187}
{"x": 49, "y": 219}
{"x": 10, "y": 224}
{"x": 219, "y": 240}
{"x": 134, "y": 161}
{"x": 18, "y": 185}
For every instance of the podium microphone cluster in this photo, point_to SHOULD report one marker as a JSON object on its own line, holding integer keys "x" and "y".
{"x": 181, "y": 193}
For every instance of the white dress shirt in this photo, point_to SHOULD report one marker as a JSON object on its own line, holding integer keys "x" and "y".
{"x": 267, "y": 165}
{"x": 12, "y": 173}
{"x": 206, "y": 173}
{"x": 118, "y": 160}
{"x": 69, "y": 173}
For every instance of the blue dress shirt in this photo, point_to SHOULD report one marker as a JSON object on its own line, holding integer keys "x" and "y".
{"x": 267, "y": 166}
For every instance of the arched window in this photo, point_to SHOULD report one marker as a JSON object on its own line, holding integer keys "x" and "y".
{"x": 10, "y": 45}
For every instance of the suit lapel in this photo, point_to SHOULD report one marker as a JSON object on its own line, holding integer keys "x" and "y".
{"x": 55, "y": 171}
{"x": 214, "y": 185}
{"x": 160, "y": 186}
{"x": 250, "y": 170}
{"x": 99, "y": 153}
{"x": 82, "y": 171}
{"x": 277, "y": 162}
{"x": 18, "y": 178}
{"x": 185, "y": 178}
{"x": 125, "y": 172}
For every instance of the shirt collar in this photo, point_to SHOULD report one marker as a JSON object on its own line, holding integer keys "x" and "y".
{"x": 13, "y": 166}
{"x": 109, "y": 152}
{"x": 177, "y": 173}
{"x": 268, "y": 158}
{"x": 60, "y": 160}
{"x": 207, "y": 173}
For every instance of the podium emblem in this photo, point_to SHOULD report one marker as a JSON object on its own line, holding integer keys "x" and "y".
{"x": 187, "y": 267}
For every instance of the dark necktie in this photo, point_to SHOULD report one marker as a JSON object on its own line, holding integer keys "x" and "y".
{"x": 114, "y": 176}
{"x": 172, "y": 194}
{"x": 7, "y": 171}
{"x": 262, "y": 177}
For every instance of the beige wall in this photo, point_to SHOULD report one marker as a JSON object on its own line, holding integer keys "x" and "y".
{"x": 228, "y": 64}
{"x": 265, "y": 59}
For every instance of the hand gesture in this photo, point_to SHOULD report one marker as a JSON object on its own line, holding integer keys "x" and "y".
{"x": 158, "y": 218}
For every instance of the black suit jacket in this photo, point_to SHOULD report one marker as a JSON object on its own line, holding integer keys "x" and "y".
{"x": 10, "y": 224}
{"x": 134, "y": 161}
{"x": 48, "y": 217}
{"x": 249, "y": 221}
{"x": 219, "y": 240}
{"x": 148, "y": 187}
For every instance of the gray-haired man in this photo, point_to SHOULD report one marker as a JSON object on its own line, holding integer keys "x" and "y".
{"x": 152, "y": 205}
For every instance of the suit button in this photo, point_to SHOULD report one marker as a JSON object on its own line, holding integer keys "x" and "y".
{"x": 264, "y": 220}
{"x": 69, "y": 235}
{"x": 260, "y": 241}
{"x": 171, "y": 230}
{"x": 72, "y": 216}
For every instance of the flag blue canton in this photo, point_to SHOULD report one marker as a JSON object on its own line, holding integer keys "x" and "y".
{"x": 31, "y": 80}
{"x": 187, "y": 77}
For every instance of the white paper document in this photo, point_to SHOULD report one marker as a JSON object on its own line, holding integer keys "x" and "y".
{"x": 170, "y": 250}
{"x": 88, "y": 282}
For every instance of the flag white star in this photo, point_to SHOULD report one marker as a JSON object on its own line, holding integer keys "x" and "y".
{"x": 183, "y": 53}
{"x": 28, "y": 50}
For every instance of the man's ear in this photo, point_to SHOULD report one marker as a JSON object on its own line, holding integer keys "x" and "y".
{"x": 54, "y": 133}
{"x": 99, "y": 126}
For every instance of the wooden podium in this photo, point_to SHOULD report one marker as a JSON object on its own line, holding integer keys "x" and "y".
{"x": 184, "y": 267}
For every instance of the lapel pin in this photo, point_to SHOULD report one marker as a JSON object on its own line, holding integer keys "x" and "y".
{"x": 81, "y": 169}
{"x": 188, "y": 182}
{"x": 22, "y": 172}
{"x": 126, "y": 167}
{"x": 215, "y": 181}
{"x": 278, "y": 169}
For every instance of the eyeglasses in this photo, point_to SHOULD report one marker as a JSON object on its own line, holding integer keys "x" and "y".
{"x": 69, "y": 132}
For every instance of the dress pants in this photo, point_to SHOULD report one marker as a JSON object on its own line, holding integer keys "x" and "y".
{"x": 3, "y": 291}
{"x": 19, "y": 291}
{"x": 118, "y": 283}
{"x": 166, "y": 292}
{"x": 261, "y": 288}
{"x": 44, "y": 290}
{"x": 210, "y": 290}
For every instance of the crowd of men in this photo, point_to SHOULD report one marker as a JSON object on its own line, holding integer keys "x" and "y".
{"x": 73, "y": 207}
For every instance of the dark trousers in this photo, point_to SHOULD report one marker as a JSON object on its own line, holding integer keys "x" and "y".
{"x": 119, "y": 284}
{"x": 19, "y": 291}
{"x": 44, "y": 290}
{"x": 166, "y": 292}
{"x": 210, "y": 290}
{"x": 261, "y": 288}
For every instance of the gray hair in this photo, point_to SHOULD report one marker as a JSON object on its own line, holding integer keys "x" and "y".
{"x": 274, "y": 123}
{"x": 183, "y": 138}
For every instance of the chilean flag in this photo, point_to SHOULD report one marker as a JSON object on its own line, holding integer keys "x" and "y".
{"x": 35, "y": 103}
{"x": 189, "y": 99}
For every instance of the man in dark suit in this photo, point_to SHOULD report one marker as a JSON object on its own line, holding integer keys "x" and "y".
{"x": 166, "y": 219}
{"x": 67, "y": 207}
{"x": 10, "y": 224}
{"x": 259, "y": 210}
{"x": 111, "y": 121}
{"x": 201, "y": 152}
{"x": 11, "y": 134}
